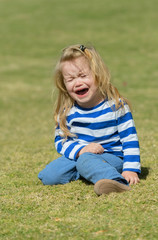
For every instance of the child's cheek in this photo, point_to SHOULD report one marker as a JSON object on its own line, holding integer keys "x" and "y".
{"x": 68, "y": 87}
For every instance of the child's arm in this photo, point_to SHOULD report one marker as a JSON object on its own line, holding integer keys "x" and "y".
{"x": 130, "y": 145}
{"x": 70, "y": 148}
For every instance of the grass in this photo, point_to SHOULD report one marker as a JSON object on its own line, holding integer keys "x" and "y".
{"x": 32, "y": 35}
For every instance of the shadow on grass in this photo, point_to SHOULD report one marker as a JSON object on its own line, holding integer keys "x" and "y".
{"x": 85, "y": 181}
{"x": 144, "y": 172}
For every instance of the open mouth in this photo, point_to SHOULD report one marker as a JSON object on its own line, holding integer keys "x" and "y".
{"x": 82, "y": 91}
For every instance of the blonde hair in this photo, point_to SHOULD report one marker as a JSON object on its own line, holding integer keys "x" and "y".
{"x": 100, "y": 73}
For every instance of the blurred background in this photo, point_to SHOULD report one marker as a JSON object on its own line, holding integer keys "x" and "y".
{"x": 32, "y": 35}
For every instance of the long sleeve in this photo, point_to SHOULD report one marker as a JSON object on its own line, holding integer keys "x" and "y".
{"x": 68, "y": 148}
{"x": 129, "y": 140}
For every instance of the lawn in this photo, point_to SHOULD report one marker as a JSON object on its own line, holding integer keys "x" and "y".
{"x": 32, "y": 34}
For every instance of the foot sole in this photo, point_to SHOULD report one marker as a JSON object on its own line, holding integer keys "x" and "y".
{"x": 106, "y": 186}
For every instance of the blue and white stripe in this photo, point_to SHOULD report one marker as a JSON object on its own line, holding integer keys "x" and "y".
{"x": 113, "y": 129}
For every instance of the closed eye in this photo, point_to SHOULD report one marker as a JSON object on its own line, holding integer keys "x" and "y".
{"x": 83, "y": 75}
{"x": 69, "y": 80}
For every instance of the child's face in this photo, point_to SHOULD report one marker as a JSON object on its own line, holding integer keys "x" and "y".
{"x": 80, "y": 83}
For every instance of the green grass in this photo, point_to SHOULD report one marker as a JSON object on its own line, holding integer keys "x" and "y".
{"x": 32, "y": 34}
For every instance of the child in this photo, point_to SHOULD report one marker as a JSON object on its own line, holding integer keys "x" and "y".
{"x": 95, "y": 132}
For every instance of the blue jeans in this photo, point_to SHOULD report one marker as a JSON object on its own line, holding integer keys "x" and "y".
{"x": 92, "y": 167}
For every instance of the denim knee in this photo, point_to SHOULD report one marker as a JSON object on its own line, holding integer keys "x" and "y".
{"x": 59, "y": 171}
{"x": 82, "y": 160}
{"x": 49, "y": 179}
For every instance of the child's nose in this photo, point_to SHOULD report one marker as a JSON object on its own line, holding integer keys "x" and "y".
{"x": 78, "y": 82}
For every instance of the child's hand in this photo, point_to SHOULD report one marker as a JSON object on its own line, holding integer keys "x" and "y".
{"x": 131, "y": 177}
{"x": 93, "y": 148}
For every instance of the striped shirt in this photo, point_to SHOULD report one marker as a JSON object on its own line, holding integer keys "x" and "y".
{"x": 113, "y": 128}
